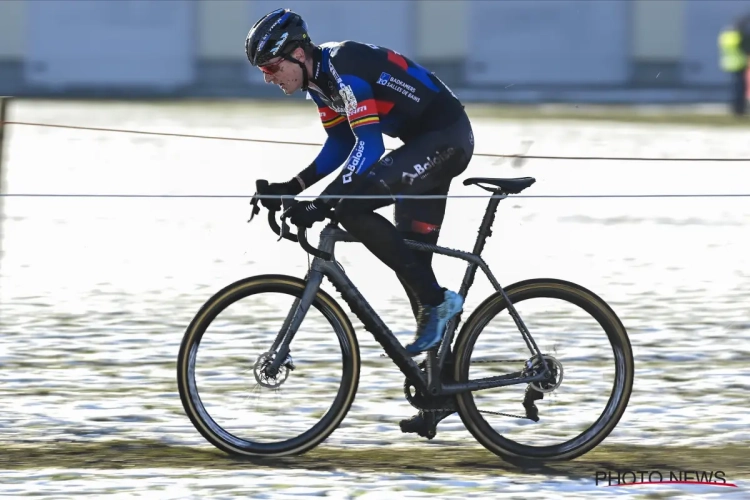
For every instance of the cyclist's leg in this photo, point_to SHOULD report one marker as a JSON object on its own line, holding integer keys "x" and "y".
{"x": 420, "y": 220}
{"x": 418, "y": 167}
{"x": 381, "y": 237}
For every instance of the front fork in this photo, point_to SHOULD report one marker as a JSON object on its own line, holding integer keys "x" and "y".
{"x": 293, "y": 320}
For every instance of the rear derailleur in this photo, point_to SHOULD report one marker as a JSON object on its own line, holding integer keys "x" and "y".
{"x": 535, "y": 390}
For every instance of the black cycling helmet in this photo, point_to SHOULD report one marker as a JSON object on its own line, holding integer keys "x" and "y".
{"x": 277, "y": 34}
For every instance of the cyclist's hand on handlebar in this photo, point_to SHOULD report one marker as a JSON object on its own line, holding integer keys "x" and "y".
{"x": 307, "y": 213}
{"x": 276, "y": 189}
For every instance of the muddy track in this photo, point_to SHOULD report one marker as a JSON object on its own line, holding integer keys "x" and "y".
{"x": 734, "y": 460}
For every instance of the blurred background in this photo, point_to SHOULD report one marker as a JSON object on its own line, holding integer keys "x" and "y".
{"x": 624, "y": 51}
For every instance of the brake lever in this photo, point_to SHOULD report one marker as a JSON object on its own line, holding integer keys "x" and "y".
{"x": 287, "y": 204}
{"x": 284, "y": 228}
{"x": 256, "y": 209}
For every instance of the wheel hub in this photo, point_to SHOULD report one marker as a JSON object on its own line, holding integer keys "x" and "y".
{"x": 554, "y": 376}
{"x": 262, "y": 376}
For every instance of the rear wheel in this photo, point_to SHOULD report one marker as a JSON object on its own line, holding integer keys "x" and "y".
{"x": 599, "y": 343}
{"x": 216, "y": 349}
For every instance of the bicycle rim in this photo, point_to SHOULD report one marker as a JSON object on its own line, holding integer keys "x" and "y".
{"x": 188, "y": 360}
{"x": 600, "y": 314}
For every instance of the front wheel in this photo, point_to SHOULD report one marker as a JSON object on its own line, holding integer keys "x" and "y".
{"x": 590, "y": 382}
{"x": 218, "y": 383}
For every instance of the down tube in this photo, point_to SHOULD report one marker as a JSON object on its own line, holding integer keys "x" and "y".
{"x": 372, "y": 322}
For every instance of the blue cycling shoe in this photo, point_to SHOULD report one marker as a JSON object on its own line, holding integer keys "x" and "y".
{"x": 432, "y": 321}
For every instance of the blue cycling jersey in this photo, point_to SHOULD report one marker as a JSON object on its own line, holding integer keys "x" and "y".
{"x": 364, "y": 91}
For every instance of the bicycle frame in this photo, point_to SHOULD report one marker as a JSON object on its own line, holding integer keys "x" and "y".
{"x": 325, "y": 265}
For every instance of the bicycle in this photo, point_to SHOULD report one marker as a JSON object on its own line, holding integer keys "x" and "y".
{"x": 441, "y": 382}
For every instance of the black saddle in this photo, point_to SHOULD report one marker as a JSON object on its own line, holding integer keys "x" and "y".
{"x": 510, "y": 186}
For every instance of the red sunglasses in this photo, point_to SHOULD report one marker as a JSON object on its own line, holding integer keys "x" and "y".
{"x": 270, "y": 69}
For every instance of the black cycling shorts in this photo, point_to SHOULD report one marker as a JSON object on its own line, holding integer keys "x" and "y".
{"x": 425, "y": 164}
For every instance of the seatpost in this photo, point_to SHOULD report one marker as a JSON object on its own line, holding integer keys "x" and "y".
{"x": 485, "y": 229}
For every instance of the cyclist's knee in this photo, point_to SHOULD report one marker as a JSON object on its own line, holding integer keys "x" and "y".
{"x": 351, "y": 208}
{"x": 347, "y": 210}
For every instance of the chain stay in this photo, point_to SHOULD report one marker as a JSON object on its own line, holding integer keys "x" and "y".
{"x": 488, "y": 412}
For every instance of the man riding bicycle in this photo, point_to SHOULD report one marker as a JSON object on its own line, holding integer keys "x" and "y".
{"x": 362, "y": 92}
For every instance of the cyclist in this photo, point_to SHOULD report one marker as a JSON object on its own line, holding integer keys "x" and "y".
{"x": 363, "y": 91}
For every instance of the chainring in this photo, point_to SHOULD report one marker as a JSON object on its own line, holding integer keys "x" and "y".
{"x": 427, "y": 403}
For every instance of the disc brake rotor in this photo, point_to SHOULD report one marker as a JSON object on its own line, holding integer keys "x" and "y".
{"x": 260, "y": 370}
{"x": 554, "y": 376}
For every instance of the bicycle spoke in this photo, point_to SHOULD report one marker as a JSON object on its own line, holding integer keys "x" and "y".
{"x": 568, "y": 410}
{"x": 233, "y": 397}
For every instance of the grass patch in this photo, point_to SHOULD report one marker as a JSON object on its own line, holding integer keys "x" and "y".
{"x": 731, "y": 458}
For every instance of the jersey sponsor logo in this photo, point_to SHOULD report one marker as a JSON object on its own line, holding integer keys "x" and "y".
{"x": 350, "y": 102}
{"x": 334, "y": 72}
{"x": 424, "y": 227}
{"x": 365, "y": 114}
{"x": 364, "y": 108}
{"x": 408, "y": 178}
{"x": 356, "y": 162}
{"x": 345, "y": 91}
{"x": 421, "y": 170}
{"x": 317, "y": 69}
{"x": 399, "y": 86}
{"x": 337, "y": 106}
{"x": 329, "y": 117}
{"x": 327, "y": 114}
{"x": 386, "y": 78}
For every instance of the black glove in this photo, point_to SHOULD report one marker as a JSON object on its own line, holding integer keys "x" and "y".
{"x": 307, "y": 213}
{"x": 291, "y": 187}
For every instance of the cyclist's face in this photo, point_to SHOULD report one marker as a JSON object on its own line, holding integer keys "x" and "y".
{"x": 284, "y": 73}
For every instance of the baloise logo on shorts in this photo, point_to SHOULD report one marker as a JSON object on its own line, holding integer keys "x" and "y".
{"x": 397, "y": 85}
{"x": 357, "y": 161}
{"x": 422, "y": 170}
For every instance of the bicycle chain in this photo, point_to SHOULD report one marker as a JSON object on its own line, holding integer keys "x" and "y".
{"x": 488, "y": 412}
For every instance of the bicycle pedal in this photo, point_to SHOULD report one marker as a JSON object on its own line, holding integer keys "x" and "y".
{"x": 420, "y": 428}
